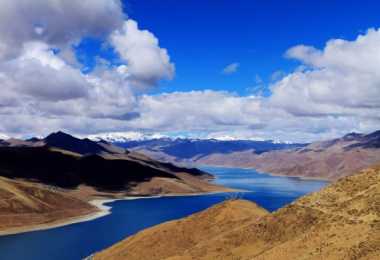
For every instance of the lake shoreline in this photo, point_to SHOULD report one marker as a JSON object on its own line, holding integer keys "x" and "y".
{"x": 101, "y": 211}
{"x": 140, "y": 211}
{"x": 267, "y": 173}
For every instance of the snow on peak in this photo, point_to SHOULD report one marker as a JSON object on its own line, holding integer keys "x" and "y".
{"x": 124, "y": 136}
{"x": 3, "y": 136}
{"x": 139, "y": 136}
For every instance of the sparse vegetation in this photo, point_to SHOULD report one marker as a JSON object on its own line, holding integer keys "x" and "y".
{"x": 339, "y": 222}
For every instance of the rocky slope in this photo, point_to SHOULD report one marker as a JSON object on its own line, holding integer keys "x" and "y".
{"x": 27, "y": 204}
{"x": 341, "y": 221}
{"x": 330, "y": 159}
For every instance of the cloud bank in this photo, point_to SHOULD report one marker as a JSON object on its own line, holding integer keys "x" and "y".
{"x": 43, "y": 87}
{"x": 335, "y": 89}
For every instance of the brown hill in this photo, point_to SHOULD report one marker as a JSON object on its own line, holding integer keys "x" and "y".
{"x": 26, "y": 204}
{"x": 327, "y": 160}
{"x": 69, "y": 162}
{"x": 41, "y": 181}
{"x": 341, "y": 221}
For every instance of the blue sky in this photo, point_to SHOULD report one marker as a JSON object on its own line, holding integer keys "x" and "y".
{"x": 194, "y": 68}
{"x": 203, "y": 37}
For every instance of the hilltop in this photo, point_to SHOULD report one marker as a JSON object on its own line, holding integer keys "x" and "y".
{"x": 341, "y": 221}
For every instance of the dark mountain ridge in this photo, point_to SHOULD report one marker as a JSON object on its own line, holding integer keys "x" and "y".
{"x": 67, "y": 142}
{"x": 367, "y": 141}
{"x": 66, "y": 171}
{"x": 68, "y": 162}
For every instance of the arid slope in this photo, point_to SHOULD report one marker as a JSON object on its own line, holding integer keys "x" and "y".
{"x": 341, "y": 221}
{"x": 26, "y": 204}
{"x": 330, "y": 159}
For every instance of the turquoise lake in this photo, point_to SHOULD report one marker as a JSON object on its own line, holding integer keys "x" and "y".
{"x": 79, "y": 240}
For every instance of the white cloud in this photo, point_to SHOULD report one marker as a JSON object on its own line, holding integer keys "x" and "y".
{"x": 147, "y": 62}
{"x": 335, "y": 90}
{"x": 231, "y": 68}
{"x": 38, "y": 73}
{"x": 56, "y": 22}
{"x": 43, "y": 88}
{"x": 341, "y": 79}
{"x": 195, "y": 111}
{"x": 214, "y": 114}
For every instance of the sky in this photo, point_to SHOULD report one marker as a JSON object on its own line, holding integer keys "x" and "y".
{"x": 283, "y": 70}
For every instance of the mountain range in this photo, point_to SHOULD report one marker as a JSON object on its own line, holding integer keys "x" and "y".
{"x": 78, "y": 162}
{"x": 182, "y": 150}
{"x": 330, "y": 159}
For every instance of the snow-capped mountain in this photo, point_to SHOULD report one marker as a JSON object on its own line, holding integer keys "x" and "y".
{"x": 187, "y": 149}
{"x": 125, "y": 136}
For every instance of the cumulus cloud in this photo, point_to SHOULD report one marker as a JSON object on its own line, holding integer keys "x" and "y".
{"x": 215, "y": 114}
{"x": 56, "y": 22}
{"x": 231, "y": 68}
{"x": 334, "y": 90}
{"x": 195, "y": 110}
{"x": 341, "y": 79}
{"x": 147, "y": 62}
{"x": 38, "y": 73}
{"x": 43, "y": 88}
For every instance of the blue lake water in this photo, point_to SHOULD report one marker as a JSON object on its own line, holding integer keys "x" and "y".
{"x": 78, "y": 240}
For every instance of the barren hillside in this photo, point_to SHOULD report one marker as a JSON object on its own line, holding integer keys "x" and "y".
{"x": 341, "y": 221}
{"x": 25, "y": 204}
{"x": 330, "y": 159}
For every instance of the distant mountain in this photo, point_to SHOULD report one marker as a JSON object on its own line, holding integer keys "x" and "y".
{"x": 341, "y": 221}
{"x": 124, "y": 136}
{"x": 329, "y": 159}
{"x": 190, "y": 150}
